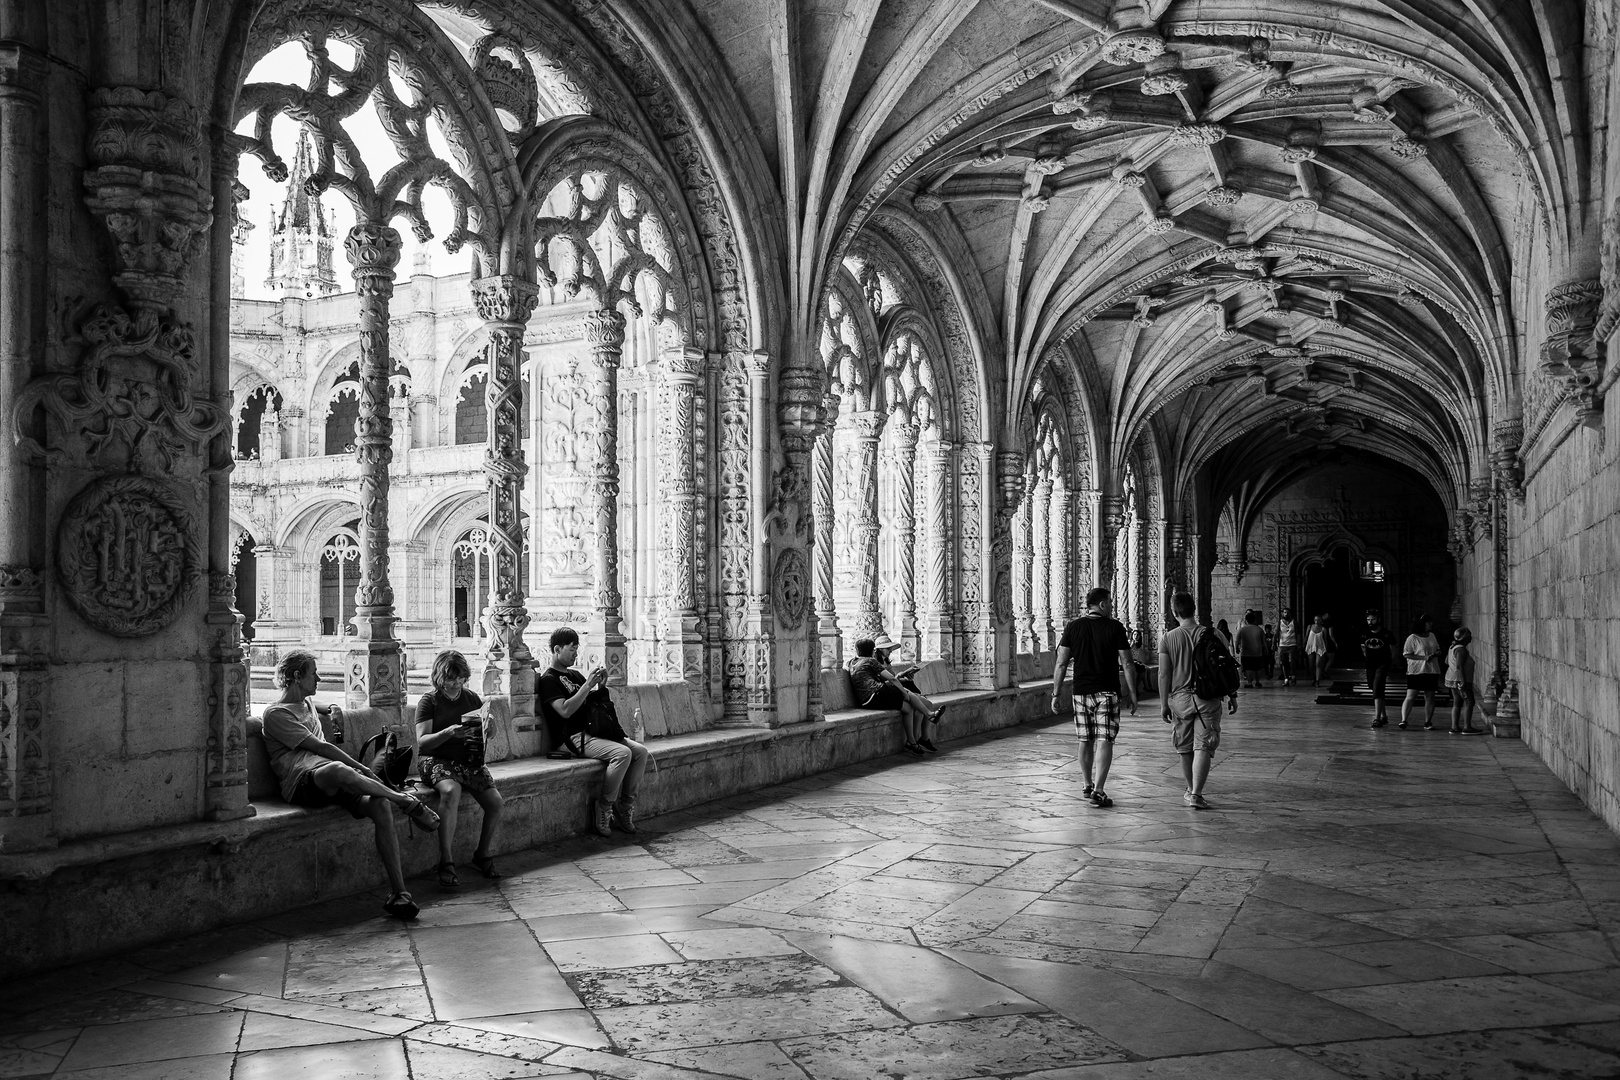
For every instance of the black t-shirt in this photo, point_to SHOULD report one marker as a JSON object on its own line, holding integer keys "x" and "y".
{"x": 1095, "y": 642}
{"x": 447, "y": 712}
{"x": 554, "y": 684}
{"x": 1378, "y": 647}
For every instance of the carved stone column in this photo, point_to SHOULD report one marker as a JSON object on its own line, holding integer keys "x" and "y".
{"x": 1061, "y": 528}
{"x": 822, "y": 511}
{"x": 375, "y": 674}
{"x": 1022, "y": 577}
{"x": 25, "y": 778}
{"x": 763, "y": 668}
{"x": 1175, "y": 558}
{"x": 225, "y": 794}
{"x": 1040, "y": 555}
{"x": 938, "y": 640}
{"x": 905, "y": 528}
{"x": 604, "y": 333}
{"x": 868, "y": 427}
{"x": 1110, "y": 520}
{"x": 677, "y": 479}
{"x": 1088, "y": 535}
{"x": 505, "y": 303}
{"x": 1009, "y": 489}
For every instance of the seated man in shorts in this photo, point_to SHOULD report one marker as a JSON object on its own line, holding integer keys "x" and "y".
{"x": 1196, "y": 721}
{"x": 876, "y": 686}
{"x": 315, "y": 773}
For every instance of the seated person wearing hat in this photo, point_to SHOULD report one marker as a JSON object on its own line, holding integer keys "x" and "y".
{"x": 878, "y": 687}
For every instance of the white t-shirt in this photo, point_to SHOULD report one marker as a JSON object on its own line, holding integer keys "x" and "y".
{"x": 1426, "y": 646}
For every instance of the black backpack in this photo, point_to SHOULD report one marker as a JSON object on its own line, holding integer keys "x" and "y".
{"x": 1215, "y": 673}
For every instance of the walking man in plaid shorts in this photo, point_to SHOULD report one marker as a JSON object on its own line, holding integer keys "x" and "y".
{"x": 1100, "y": 649}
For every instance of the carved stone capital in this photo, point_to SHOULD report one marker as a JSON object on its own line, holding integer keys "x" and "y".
{"x": 1009, "y": 480}
{"x": 146, "y": 183}
{"x": 1193, "y": 135}
{"x": 1132, "y": 47}
{"x": 373, "y": 251}
{"x": 800, "y": 412}
{"x": 1573, "y": 355}
{"x": 1505, "y": 462}
{"x": 505, "y": 298}
{"x": 604, "y": 332}
{"x": 905, "y": 436}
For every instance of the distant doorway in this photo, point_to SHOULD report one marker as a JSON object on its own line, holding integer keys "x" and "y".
{"x": 1343, "y": 587}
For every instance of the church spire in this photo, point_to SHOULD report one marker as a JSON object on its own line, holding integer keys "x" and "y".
{"x": 301, "y": 234}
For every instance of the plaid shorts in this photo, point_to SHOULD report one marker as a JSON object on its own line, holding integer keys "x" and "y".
{"x": 1096, "y": 716}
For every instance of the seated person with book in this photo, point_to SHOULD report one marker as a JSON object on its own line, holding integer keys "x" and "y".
{"x": 450, "y": 741}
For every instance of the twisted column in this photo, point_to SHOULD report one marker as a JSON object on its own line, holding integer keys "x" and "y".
{"x": 604, "y": 334}
{"x": 1058, "y": 540}
{"x": 905, "y": 528}
{"x": 821, "y": 495}
{"x": 1040, "y": 555}
{"x": 868, "y": 614}
{"x": 677, "y": 480}
{"x": 374, "y": 676}
{"x": 505, "y": 303}
{"x": 1111, "y": 520}
{"x": 938, "y": 645}
{"x": 1023, "y": 618}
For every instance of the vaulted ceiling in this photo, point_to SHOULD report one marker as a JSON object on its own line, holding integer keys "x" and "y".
{"x": 1299, "y": 220}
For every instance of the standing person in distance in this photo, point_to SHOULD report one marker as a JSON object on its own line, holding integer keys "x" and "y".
{"x": 1225, "y": 632}
{"x": 1377, "y": 650}
{"x": 1195, "y": 722}
{"x": 1101, "y": 649}
{"x": 1460, "y": 681}
{"x": 1319, "y": 649}
{"x": 1288, "y": 645}
{"x": 451, "y": 760}
{"x": 1251, "y": 648}
{"x": 1422, "y": 653}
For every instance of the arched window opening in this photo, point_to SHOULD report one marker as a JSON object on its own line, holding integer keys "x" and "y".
{"x": 343, "y": 411}
{"x": 245, "y": 565}
{"x": 470, "y": 572}
{"x": 340, "y": 574}
{"x": 912, "y": 428}
{"x": 259, "y": 416}
{"x": 472, "y": 415}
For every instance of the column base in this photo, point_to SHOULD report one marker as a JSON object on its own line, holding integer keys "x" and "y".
{"x": 511, "y": 728}
{"x": 374, "y": 677}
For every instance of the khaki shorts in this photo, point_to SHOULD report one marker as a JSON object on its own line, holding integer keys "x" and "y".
{"x": 1195, "y": 723}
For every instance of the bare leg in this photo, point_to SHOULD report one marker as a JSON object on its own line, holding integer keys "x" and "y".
{"x": 1468, "y": 709}
{"x": 1428, "y": 708}
{"x": 1187, "y": 768}
{"x": 449, "y": 809}
{"x": 1456, "y": 708}
{"x": 493, "y": 806}
{"x": 334, "y": 777}
{"x": 382, "y": 818}
{"x": 1406, "y": 706}
{"x": 1105, "y": 758}
{"x": 1087, "y": 756}
{"x": 1200, "y": 761}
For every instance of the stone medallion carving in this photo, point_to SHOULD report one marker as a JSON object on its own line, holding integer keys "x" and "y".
{"x": 127, "y": 555}
{"x": 790, "y": 588}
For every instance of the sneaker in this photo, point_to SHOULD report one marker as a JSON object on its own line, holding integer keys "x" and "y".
{"x": 1428, "y": 727}
{"x": 1380, "y": 721}
{"x": 1401, "y": 725}
{"x": 1100, "y": 799}
{"x": 915, "y": 750}
{"x": 1199, "y": 802}
{"x": 1472, "y": 731}
{"x": 602, "y": 817}
{"x": 1088, "y": 790}
{"x": 1188, "y": 797}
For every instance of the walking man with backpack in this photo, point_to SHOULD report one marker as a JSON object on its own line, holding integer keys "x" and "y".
{"x": 1195, "y": 672}
{"x": 1101, "y": 649}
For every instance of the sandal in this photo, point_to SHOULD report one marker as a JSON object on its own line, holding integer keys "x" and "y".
{"x": 933, "y": 717}
{"x": 485, "y": 865}
{"x": 1100, "y": 799}
{"x": 401, "y": 906}
{"x": 421, "y": 815}
{"x": 447, "y": 875}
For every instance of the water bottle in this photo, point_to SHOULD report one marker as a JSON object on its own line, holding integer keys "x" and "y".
{"x": 638, "y": 730}
{"x": 337, "y": 724}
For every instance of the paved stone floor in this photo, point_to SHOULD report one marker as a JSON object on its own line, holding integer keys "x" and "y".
{"x": 1354, "y": 904}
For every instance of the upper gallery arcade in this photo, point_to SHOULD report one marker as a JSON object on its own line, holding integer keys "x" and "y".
{"x": 729, "y": 332}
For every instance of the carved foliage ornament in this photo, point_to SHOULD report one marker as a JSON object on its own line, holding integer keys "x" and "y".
{"x": 146, "y": 184}
{"x": 127, "y": 555}
{"x": 1572, "y": 355}
{"x": 790, "y": 588}
{"x": 133, "y": 387}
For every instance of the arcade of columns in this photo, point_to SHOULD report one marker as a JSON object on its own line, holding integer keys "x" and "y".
{"x": 935, "y": 356}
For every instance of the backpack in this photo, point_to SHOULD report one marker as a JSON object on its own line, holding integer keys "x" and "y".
{"x": 390, "y": 761}
{"x": 1215, "y": 673}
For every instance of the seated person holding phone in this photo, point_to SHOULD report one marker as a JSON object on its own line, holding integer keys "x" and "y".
{"x": 876, "y": 686}
{"x": 564, "y": 696}
{"x": 450, "y": 745}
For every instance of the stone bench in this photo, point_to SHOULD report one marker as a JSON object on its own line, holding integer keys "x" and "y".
{"x": 89, "y": 898}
